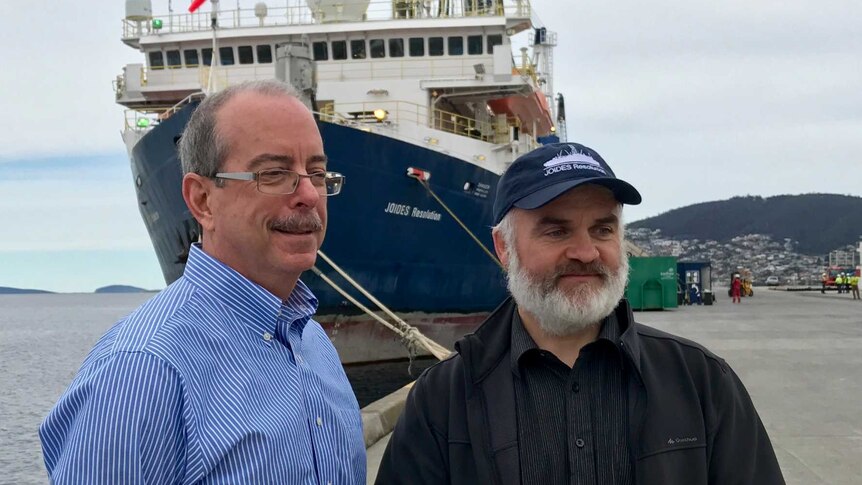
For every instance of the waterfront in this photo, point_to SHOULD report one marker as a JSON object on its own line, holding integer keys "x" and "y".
{"x": 44, "y": 339}
{"x": 799, "y": 354}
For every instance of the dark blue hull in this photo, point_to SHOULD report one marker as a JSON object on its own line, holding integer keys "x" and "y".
{"x": 385, "y": 229}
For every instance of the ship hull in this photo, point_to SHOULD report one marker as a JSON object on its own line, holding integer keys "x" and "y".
{"x": 385, "y": 230}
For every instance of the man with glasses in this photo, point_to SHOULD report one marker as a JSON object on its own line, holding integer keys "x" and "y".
{"x": 223, "y": 377}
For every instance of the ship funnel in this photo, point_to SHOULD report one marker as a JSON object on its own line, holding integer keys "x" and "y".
{"x": 326, "y": 11}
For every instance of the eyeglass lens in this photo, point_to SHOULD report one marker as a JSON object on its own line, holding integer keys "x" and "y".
{"x": 286, "y": 181}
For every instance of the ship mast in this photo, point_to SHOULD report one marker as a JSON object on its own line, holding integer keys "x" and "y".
{"x": 215, "y": 54}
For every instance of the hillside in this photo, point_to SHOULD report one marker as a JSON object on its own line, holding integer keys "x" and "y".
{"x": 120, "y": 289}
{"x": 819, "y": 222}
{"x": 5, "y": 290}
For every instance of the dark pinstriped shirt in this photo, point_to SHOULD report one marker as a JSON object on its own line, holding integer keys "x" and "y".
{"x": 572, "y": 423}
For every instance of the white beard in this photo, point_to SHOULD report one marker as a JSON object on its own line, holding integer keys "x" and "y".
{"x": 562, "y": 313}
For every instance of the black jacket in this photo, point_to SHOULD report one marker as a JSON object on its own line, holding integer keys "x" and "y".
{"x": 690, "y": 419}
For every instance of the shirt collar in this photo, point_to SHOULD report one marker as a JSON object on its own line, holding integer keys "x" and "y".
{"x": 254, "y": 305}
{"x": 522, "y": 342}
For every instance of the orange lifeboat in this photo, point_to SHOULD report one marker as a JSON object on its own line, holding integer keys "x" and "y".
{"x": 531, "y": 110}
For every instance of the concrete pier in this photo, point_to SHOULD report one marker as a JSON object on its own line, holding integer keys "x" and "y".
{"x": 800, "y": 357}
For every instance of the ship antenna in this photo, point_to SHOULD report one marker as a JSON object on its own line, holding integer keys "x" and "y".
{"x": 215, "y": 54}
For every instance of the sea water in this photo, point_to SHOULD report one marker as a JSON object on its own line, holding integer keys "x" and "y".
{"x": 45, "y": 337}
{"x": 43, "y": 340}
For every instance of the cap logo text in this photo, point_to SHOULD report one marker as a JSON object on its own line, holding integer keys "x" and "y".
{"x": 572, "y": 161}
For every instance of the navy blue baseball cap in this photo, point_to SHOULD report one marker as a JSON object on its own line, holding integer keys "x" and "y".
{"x": 538, "y": 177}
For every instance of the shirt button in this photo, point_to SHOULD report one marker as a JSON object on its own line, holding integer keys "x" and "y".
{"x": 579, "y": 442}
{"x": 576, "y": 387}
{"x": 319, "y": 421}
{"x": 267, "y": 336}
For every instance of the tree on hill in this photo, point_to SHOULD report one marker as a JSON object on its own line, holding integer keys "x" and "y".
{"x": 819, "y": 222}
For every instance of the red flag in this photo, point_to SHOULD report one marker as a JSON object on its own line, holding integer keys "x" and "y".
{"x": 195, "y": 5}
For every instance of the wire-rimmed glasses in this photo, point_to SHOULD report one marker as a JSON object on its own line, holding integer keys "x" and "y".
{"x": 279, "y": 181}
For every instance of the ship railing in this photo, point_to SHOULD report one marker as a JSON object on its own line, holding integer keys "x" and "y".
{"x": 187, "y": 100}
{"x": 199, "y": 76}
{"x": 463, "y": 125}
{"x": 495, "y": 131}
{"x": 145, "y": 119}
{"x": 443, "y": 68}
{"x": 119, "y": 85}
{"x": 142, "y": 121}
{"x": 384, "y": 112}
{"x": 527, "y": 68}
{"x": 298, "y": 12}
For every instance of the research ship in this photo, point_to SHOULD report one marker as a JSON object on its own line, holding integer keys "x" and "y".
{"x": 420, "y": 104}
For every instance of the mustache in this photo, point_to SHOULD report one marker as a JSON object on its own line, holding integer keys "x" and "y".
{"x": 579, "y": 268}
{"x": 298, "y": 223}
{"x": 575, "y": 268}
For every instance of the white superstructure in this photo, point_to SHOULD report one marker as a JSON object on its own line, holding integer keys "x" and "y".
{"x": 436, "y": 73}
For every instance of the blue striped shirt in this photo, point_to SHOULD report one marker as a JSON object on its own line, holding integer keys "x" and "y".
{"x": 214, "y": 380}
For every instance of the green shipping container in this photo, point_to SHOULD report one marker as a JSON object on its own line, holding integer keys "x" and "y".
{"x": 652, "y": 283}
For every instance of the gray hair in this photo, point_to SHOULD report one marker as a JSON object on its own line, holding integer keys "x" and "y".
{"x": 506, "y": 228}
{"x": 202, "y": 149}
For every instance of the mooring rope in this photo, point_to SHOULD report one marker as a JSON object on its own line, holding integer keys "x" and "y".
{"x": 410, "y": 335}
{"x": 463, "y": 226}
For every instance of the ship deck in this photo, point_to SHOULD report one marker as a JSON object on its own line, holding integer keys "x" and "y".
{"x": 800, "y": 357}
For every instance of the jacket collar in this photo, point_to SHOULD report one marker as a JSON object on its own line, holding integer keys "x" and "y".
{"x": 629, "y": 340}
{"x": 483, "y": 349}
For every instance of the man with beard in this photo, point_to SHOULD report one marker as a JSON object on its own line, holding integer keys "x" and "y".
{"x": 560, "y": 385}
{"x": 223, "y": 377}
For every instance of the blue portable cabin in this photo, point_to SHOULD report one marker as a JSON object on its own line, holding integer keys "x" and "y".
{"x": 696, "y": 272}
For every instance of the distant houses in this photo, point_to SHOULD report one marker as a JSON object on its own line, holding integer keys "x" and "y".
{"x": 757, "y": 252}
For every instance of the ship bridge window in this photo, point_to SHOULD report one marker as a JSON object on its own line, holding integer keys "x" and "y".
{"x": 417, "y": 46}
{"x": 435, "y": 46}
{"x": 496, "y": 39}
{"x": 339, "y": 50}
{"x": 357, "y": 49}
{"x": 396, "y": 47}
{"x": 264, "y": 54}
{"x": 456, "y": 46}
{"x": 157, "y": 61}
{"x": 174, "y": 60}
{"x": 191, "y": 56}
{"x": 207, "y": 55}
{"x": 474, "y": 44}
{"x": 225, "y": 56}
{"x": 246, "y": 54}
{"x": 320, "y": 51}
{"x": 377, "y": 48}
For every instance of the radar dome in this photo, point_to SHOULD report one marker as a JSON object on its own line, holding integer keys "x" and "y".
{"x": 260, "y": 10}
{"x": 139, "y": 9}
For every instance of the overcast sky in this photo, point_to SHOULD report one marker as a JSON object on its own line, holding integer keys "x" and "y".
{"x": 690, "y": 101}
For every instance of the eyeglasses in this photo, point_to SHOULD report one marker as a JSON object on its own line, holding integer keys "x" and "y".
{"x": 278, "y": 181}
